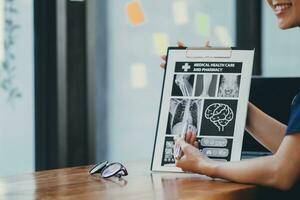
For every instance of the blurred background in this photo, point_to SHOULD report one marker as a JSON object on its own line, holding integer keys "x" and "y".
{"x": 80, "y": 80}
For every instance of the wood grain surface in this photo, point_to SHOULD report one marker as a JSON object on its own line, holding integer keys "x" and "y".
{"x": 140, "y": 184}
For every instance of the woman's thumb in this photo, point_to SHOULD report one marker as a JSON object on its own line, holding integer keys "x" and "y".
{"x": 207, "y": 43}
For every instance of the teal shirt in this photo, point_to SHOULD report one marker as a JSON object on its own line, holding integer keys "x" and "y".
{"x": 294, "y": 120}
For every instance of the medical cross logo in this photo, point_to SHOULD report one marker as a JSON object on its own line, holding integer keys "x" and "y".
{"x": 186, "y": 67}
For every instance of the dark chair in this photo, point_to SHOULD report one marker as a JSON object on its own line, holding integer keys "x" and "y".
{"x": 273, "y": 96}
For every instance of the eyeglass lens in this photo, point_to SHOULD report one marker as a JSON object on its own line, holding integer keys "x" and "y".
{"x": 98, "y": 168}
{"x": 111, "y": 170}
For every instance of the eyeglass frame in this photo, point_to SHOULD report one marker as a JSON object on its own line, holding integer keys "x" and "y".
{"x": 107, "y": 164}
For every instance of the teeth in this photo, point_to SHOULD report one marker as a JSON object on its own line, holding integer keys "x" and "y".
{"x": 281, "y": 7}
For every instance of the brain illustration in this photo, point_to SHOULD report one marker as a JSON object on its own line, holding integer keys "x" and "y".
{"x": 219, "y": 114}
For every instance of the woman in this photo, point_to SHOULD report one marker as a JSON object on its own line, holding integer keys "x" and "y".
{"x": 280, "y": 170}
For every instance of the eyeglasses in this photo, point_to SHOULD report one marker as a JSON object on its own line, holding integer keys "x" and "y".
{"x": 108, "y": 170}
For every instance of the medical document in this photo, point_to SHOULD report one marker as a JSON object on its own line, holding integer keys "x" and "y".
{"x": 205, "y": 91}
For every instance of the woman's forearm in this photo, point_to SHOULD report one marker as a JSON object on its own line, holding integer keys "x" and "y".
{"x": 253, "y": 171}
{"x": 280, "y": 170}
{"x": 267, "y": 130}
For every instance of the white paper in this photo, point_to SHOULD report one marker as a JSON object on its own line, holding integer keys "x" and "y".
{"x": 180, "y": 12}
{"x": 139, "y": 76}
{"x": 208, "y": 96}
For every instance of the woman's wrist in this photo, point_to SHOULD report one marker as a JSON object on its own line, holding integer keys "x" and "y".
{"x": 208, "y": 167}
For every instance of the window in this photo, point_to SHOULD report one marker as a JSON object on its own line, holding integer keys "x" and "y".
{"x": 280, "y": 48}
{"x": 16, "y": 87}
{"x": 135, "y": 79}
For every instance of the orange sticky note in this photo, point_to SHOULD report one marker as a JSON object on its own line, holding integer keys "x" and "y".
{"x": 135, "y": 13}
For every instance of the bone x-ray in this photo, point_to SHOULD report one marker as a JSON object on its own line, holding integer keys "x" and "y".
{"x": 184, "y": 112}
{"x": 183, "y": 85}
{"x": 206, "y": 85}
{"x": 205, "y": 95}
{"x": 229, "y": 85}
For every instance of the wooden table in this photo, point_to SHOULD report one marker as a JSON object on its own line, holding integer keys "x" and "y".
{"x": 140, "y": 184}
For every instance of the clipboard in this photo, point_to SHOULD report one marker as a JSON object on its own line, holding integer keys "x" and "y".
{"x": 205, "y": 91}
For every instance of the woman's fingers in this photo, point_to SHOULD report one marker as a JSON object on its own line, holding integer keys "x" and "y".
{"x": 207, "y": 43}
{"x": 196, "y": 144}
{"x": 163, "y": 65}
{"x": 181, "y": 162}
{"x": 164, "y": 57}
{"x": 180, "y": 44}
{"x": 188, "y": 137}
{"x": 193, "y": 138}
{"x": 180, "y": 142}
{"x": 189, "y": 141}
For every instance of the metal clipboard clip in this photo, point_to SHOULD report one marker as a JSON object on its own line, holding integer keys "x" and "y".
{"x": 208, "y": 52}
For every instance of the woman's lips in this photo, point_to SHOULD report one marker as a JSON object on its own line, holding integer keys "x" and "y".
{"x": 281, "y": 8}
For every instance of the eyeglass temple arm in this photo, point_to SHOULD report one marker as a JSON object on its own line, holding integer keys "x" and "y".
{"x": 123, "y": 169}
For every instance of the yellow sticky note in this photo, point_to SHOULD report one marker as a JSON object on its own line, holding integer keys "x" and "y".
{"x": 180, "y": 12}
{"x": 223, "y": 35}
{"x": 203, "y": 24}
{"x": 135, "y": 13}
{"x": 138, "y": 76}
{"x": 161, "y": 42}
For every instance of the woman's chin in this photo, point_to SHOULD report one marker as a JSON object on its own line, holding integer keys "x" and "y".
{"x": 283, "y": 24}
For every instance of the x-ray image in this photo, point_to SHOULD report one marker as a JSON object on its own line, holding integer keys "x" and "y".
{"x": 184, "y": 116}
{"x": 206, "y": 85}
{"x": 229, "y": 85}
{"x": 168, "y": 158}
{"x": 183, "y": 85}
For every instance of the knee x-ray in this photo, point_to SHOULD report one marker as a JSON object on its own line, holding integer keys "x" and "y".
{"x": 183, "y": 85}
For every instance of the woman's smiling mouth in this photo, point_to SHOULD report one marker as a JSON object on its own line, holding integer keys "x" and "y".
{"x": 280, "y": 8}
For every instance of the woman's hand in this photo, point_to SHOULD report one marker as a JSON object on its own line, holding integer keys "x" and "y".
{"x": 193, "y": 160}
{"x": 180, "y": 44}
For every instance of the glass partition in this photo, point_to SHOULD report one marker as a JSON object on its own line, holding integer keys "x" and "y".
{"x": 16, "y": 87}
{"x": 140, "y": 31}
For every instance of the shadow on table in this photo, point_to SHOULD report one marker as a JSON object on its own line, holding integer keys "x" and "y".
{"x": 270, "y": 193}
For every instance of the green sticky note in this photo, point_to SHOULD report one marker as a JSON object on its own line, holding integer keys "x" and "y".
{"x": 203, "y": 24}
